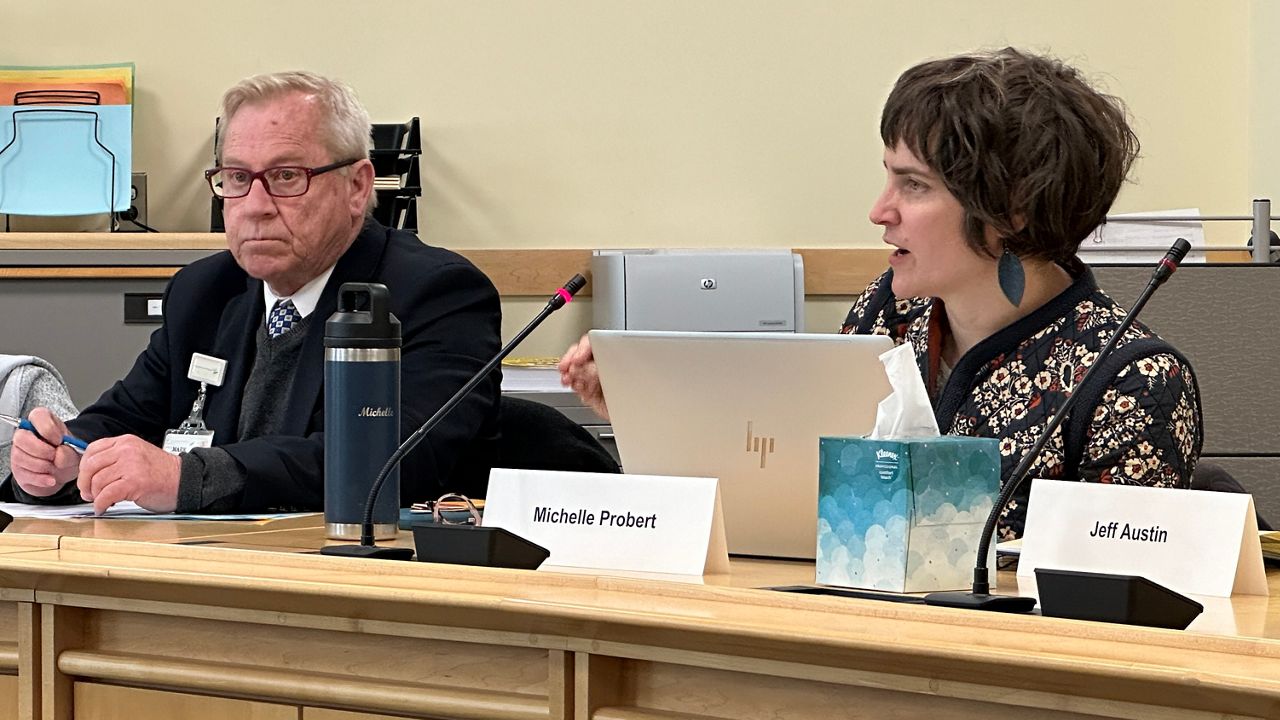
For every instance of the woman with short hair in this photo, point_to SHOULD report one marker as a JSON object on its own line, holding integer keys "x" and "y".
{"x": 999, "y": 165}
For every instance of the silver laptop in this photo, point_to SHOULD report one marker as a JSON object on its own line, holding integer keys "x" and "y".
{"x": 747, "y": 408}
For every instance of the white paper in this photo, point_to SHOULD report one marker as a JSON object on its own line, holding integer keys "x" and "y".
{"x": 531, "y": 379}
{"x": 1191, "y": 541}
{"x": 906, "y": 412}
{"x": 1144, "y": 243}
{"x": 123, "y": 509}
{"x": 644, "y": 523}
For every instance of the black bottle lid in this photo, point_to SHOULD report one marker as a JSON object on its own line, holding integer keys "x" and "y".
{"x": 363, "y": 318}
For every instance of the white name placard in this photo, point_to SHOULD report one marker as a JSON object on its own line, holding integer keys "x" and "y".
{"x": 645, "y": 523}
{"x": 1191, "y": 541}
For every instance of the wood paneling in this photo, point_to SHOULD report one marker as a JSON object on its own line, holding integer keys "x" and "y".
{"x": 107, "y": 702}
{"x": 9, "y": 704}
{"x": 305, "y": 631}
{"x": 111, "y": 241}
{"x": 310, "y": 713}
{"x": 29, "y": 659}
{"x": 60, "y": 628}
{"x": 304, "y": 688}
{"x": 475, "y": 667}
{"x": 87, "y": 273}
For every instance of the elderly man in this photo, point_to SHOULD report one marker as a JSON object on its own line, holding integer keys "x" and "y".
{"x": 295, "y": 175}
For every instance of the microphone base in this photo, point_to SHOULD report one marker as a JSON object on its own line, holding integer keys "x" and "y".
{"x": 472, "y": 545}
{"x": 377, "y": 552}
{"x": 1123, "y": 599}
{"x": 973, "y": 601}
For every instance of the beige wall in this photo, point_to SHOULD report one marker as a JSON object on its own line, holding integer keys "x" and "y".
{"x": 668, "y": 122}
{"x": 1263, "y": 102}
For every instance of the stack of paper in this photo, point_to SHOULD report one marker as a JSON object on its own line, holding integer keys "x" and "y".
{"x": 1139, "y": 239}
{"x": 531, "y": 374}
{"x": 1270, "y": 544}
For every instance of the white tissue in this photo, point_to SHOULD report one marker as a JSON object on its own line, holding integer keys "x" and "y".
{"x": 906, "y": 413}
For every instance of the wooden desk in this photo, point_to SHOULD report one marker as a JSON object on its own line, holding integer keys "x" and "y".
{"x": 247, "y": 623}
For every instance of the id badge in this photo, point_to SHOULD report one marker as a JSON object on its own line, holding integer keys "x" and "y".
{"x": 207, "y": 369}
{"x": 192, "y": 433}
{"x": 181, "y": 440}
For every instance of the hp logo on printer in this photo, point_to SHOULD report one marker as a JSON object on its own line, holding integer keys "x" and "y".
{"x": 707, "y": 283}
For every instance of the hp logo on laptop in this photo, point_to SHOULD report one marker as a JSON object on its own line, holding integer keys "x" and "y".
{"x": 758, "y": 444}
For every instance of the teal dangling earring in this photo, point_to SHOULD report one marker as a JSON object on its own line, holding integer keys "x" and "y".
{"x": 1013, "y": 279}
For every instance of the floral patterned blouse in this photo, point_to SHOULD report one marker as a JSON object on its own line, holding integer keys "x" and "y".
{"x": 1138, "y": 422}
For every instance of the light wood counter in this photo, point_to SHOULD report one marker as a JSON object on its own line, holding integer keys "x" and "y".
{"x": 515, "y": 272}
{"x": 246, "y": 622}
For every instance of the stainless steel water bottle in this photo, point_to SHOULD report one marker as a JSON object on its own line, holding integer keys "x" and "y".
{"x": 361, "y": 411}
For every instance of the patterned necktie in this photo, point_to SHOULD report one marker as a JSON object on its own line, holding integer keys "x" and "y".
{"x": 282, "y": 318}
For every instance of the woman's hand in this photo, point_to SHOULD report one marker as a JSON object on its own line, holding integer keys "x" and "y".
{"x": 578, "y": 371}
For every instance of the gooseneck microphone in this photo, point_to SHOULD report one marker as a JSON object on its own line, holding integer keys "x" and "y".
{"x": 367, "y": 546}
{"x": 981, "y": 597}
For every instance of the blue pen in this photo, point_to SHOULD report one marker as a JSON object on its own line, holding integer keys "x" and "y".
{"x": 73, "y": 442}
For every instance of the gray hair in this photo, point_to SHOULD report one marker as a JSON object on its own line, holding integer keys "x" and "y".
{"x": 344, "y": 123}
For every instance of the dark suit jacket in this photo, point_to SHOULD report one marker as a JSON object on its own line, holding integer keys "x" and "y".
{"x": 450, "y": 322}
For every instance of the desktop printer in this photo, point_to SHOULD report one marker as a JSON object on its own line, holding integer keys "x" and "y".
{"x": 698, "y": 290}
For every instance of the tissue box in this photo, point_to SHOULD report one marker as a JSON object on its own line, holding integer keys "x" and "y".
{"x": 904, "y": 515}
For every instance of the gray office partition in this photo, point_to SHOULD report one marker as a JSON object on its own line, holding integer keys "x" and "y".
{"x": 1226, "y": 320}
{"x": 79, "y": 326}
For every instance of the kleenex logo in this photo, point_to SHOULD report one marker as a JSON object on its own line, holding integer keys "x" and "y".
{"x": 367, "y": 411}
{"x": 882, "y": 454}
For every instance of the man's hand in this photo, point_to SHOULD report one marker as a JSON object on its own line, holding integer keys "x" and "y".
{"x": 129, "y": 468}
{"x": 41, "y": 468}
{"x": 578, "y": 371}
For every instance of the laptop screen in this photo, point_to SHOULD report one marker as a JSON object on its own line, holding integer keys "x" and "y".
{"x": 747, "y": 408}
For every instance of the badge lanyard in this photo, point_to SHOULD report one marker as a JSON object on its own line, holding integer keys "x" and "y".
{"x": 193, "y": 433}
